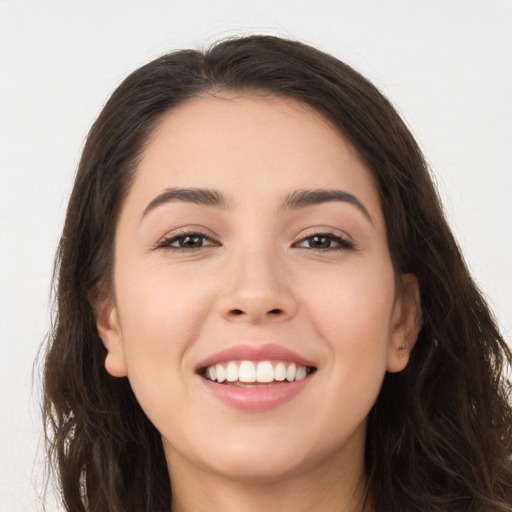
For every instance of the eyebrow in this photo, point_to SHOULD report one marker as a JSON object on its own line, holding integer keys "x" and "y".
{"x": 305, "y": 198}
{"x": 294, "y": 201}
{"x": 200, "y": 196}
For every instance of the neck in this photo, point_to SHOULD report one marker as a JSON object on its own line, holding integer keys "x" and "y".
{"x": 329, "y": 487}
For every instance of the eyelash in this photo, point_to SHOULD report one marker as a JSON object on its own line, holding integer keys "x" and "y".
{"x": 342, "y": 244}
{"x": 167, "y": 242}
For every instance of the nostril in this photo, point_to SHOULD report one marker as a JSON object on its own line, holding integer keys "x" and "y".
{"x": 275, "y": 312}
{"x": 237, "y": 312}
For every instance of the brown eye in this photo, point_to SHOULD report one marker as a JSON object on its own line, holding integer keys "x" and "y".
{"x": 186, "y": 241}
{"x": 190, "y": 241}
{"x": 319, "y": 242}
{"x": 324, "y": 242}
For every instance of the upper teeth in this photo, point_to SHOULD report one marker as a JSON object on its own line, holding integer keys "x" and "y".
{"x": 263, "y": 371}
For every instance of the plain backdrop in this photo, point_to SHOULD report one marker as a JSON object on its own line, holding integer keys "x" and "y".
{"x": 445, "y": 64}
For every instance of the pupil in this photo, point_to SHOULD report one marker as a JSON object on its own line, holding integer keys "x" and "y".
{"x": 191, "y": 241}
{"x": 321, "y": 242}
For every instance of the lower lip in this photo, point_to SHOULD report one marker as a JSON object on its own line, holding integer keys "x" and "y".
{"x": 256, "y": 398}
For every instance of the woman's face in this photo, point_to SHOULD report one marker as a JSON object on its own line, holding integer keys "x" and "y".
{"x": 251, "y": 248}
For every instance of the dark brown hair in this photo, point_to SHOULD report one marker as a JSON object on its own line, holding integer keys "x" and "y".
{"x": 439, "y": 436}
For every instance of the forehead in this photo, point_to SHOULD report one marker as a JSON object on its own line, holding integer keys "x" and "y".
{"x": 250, "y": 145}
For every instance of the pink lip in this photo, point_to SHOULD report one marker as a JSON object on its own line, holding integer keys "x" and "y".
{"x": 255, "y": 398}
{"x": 267, "y": 352}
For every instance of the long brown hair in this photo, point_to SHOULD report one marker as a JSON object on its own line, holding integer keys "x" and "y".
{"x": 440, "y": 434}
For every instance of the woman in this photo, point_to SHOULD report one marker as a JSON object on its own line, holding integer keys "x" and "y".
{"x": 260, "y": 305}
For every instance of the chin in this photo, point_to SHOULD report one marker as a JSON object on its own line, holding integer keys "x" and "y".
{"x": 259, "y": 468}
{"x": 254, "y": 455}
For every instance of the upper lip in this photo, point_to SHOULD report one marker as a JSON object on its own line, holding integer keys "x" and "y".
{"x": 260, "y": 352}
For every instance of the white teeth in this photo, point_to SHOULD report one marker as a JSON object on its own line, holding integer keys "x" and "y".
{"x": 220, "y": 373}
{"x": 265, "y": 372}
{"x": 232, "y": 372}
{"x": 280, "y": 372}
{"x": 291, "y": 372}
{"x": 301, "y": 373}
{"x": 247, "y": 372}
{"x": 262, "y": 372}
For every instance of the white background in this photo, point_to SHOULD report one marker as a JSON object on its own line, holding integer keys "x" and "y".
{"x": 445, "y": 64}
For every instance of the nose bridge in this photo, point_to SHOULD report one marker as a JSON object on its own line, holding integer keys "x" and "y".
{"x": 257, "y": 285}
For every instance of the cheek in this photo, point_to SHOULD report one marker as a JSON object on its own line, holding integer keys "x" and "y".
{"x": 353, "y": 302}
{"x": 160, "y": 314}
{"x": 352, "y": 312}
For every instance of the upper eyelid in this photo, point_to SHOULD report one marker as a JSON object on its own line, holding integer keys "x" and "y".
{"x": 185, "y": 230}
{"x": 336, "y": 233}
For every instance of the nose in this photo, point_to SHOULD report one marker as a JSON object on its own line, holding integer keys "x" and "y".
{"x": 258, "y": 289}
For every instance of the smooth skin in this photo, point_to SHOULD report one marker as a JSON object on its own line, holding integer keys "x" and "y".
{"x": 191, "y": 279}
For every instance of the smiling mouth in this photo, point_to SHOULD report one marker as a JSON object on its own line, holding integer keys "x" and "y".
{"x": 255, "y": 373}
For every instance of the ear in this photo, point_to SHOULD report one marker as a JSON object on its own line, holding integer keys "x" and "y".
{"x": 406, "y": 323}
{"x": 109, "y": 331}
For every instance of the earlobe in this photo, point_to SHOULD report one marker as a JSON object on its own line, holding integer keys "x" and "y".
{"x": 406, "y": 324}
{"x": 107, "y": 323}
